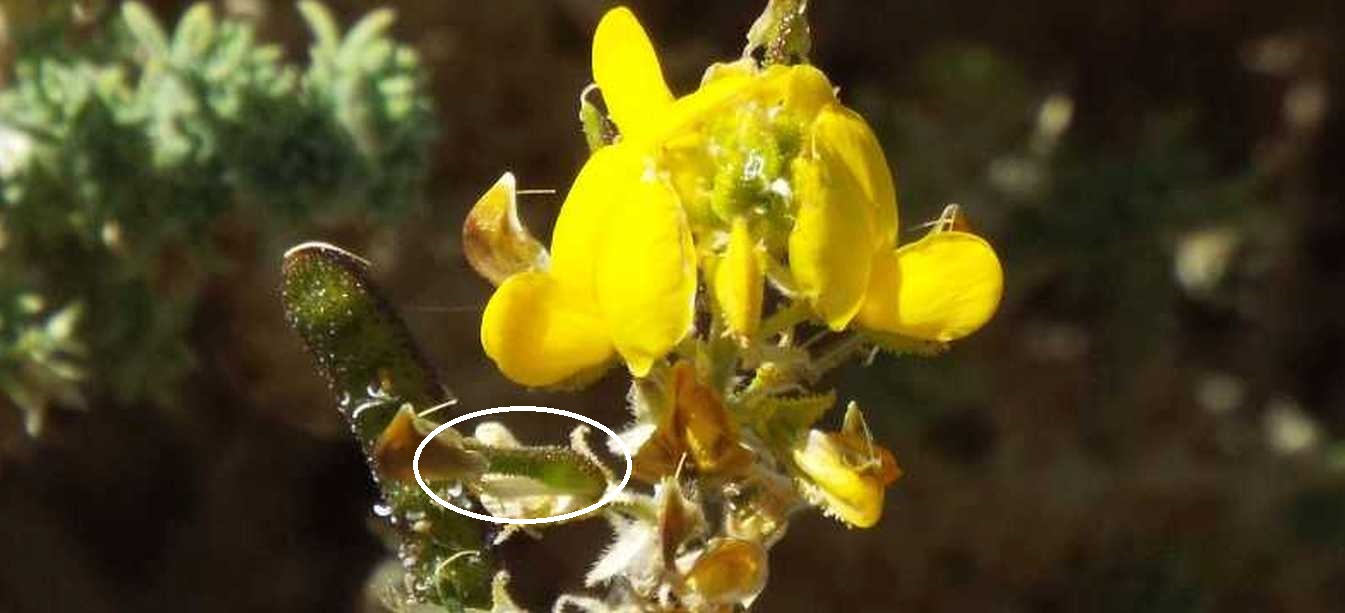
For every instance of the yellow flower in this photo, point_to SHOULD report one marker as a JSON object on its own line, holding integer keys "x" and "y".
{"x": 622, "y": 272}
{"x": 846, "y": 471}
{"x": 841, "y": 250}
{"x": 621, "y": 280}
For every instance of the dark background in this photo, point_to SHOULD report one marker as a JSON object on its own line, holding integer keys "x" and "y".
{"x": 1152, "y": 422}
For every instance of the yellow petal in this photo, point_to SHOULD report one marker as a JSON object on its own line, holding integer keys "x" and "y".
{"x": 627, "y": 71}
{"x": 691, "y": 172}
{"x": 537, "y": 335}
{"x": 802, "y": 89}
{"x": 623, "y": 252}
{"x": 645, "y": 274}
{"x": 831, "y": 245}
{"x": 744, "y": 67}
{"x": 846, "y": 138}
{"x": 940, "y": 288}
{"x": 739, "y": 281}
{"x": 687, "y": 112}
{"x": 585, "y": 214}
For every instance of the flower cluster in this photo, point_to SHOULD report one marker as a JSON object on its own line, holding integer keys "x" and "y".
{"x": 702, "y": 235}
{"x": 761, "y": 173}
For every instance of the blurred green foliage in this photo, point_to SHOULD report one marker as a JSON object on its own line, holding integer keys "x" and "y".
{"x": 1087, "y": 229}
{"x": 39, "y": 356}
{"x": 123, "y": 152}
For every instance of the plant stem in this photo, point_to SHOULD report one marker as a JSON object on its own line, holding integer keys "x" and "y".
{"x": 796, "y": 313}
{"x": 835, "y": 355}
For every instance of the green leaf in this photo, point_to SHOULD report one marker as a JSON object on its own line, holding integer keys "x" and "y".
{"x": 326, "y": 32}
{"x": 145, "y": 28}
{"x": 563, "y": 470}
{"x": 361, "y": 345}
{"x": 368, "y": 30}
{"x": 366, "y": 352}
{"x": 195, "y": 34}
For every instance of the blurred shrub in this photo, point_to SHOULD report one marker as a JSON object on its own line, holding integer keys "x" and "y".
{"x": 122, "y": 153}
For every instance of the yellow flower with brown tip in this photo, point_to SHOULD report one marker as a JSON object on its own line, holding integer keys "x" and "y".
{"x": 846, "y": 473}
{"x": 621, "y": 280}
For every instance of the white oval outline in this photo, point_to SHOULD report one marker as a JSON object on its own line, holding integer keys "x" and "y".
{"x": 611, "y": 492}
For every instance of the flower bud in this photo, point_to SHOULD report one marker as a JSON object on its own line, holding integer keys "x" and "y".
{"x": 739, "y": 282}
{"x": 847, "y": 472}
{"x": 731, "y": 571}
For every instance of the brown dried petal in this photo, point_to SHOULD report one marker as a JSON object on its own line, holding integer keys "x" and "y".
{"x": 443, "y": 459}
{"x": 494, "y": 240}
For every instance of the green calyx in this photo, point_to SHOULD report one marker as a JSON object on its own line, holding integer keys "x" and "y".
{"x": 557, "y": 469}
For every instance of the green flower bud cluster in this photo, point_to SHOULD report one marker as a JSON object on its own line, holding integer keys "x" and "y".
{"x": 751, "y": 151}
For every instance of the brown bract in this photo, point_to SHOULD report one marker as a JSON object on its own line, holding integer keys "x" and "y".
{"x": 694, "y": 425}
